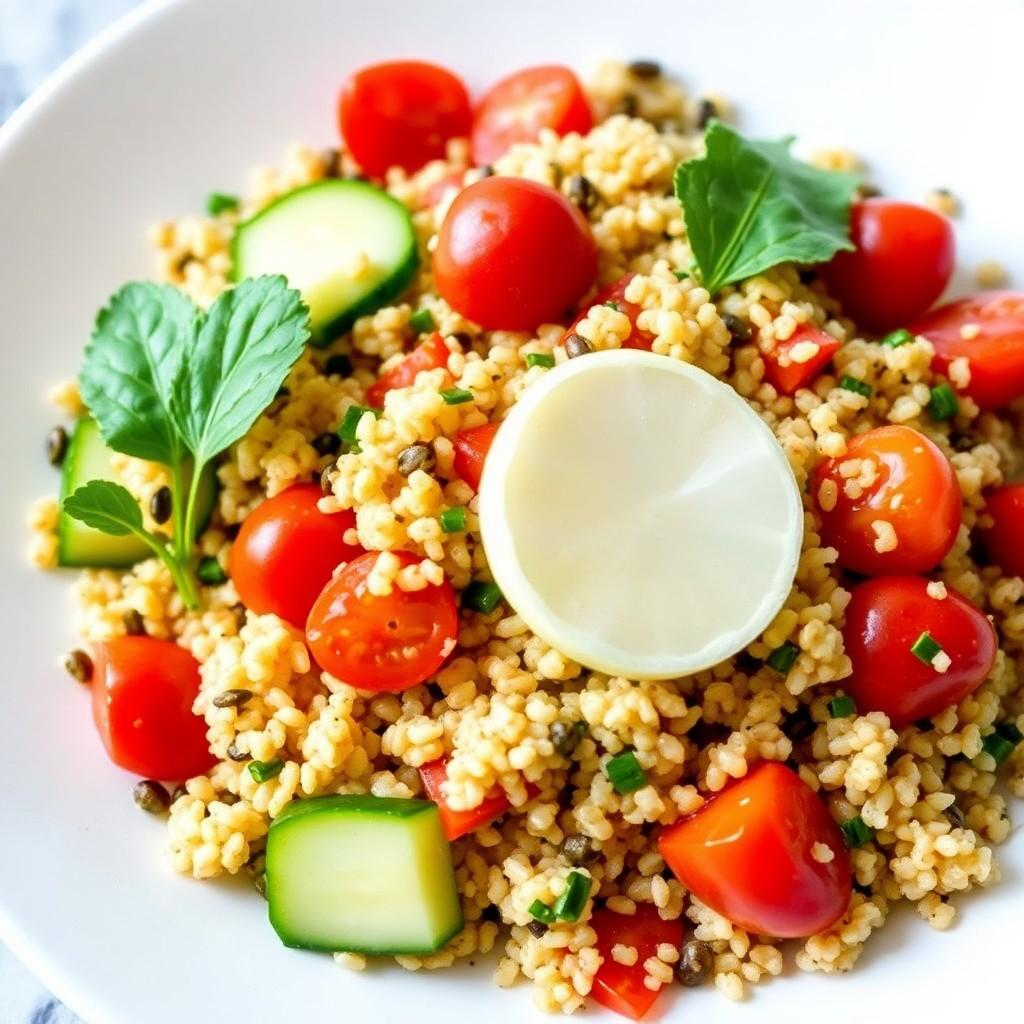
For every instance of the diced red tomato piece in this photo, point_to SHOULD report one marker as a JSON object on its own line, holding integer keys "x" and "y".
{"x": 616, "y": 292}
{"x": 1004, "y": 539}
{"x": 431, "y": 354}
{"x": 788, "y": 376}
{"x": 471, "y": 448}
{"x": 459, "y": 823}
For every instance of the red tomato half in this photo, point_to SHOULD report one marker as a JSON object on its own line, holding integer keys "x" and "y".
{"x": 431, "y": 354}
{"x": 518, "y": 107}
{"x": 1004, "y": 539}
{"x": 142, "y": 695}
{"x": 915, "y": 491}
{"x": 381, "y": 643}
{"x": 616, "y": 292}
{"x": 401, "y": 112}
{"x": 749, "y": 854}
{"x": 884, "y": 619}
{"x": 617, "y": 986}
{"x": 512, "y": 254}
{"x": 788, "y": 376}
{"x": 471, "y": 448}
{"x": 459, "y": 823}
{"x": 995, "y": 353}
{"x": 902, "y": 264}
{"x": 287, "y": 550}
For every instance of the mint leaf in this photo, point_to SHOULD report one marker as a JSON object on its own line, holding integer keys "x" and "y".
{"x": 105, "y": 506}
{"x": 749, "y": 206}
{"x": 130, "y": 364}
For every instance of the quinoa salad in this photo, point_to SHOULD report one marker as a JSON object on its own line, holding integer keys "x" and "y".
{"x": 554, "y": 523}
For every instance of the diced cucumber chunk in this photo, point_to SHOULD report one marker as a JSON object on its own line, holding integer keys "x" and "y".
{"x": 362, "y": 874}
{"x": 347, "y": 246}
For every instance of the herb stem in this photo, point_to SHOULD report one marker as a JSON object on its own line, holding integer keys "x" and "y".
{"x": 179, "y": 574}
{"x": 188, "y": 540}
{"x": 178, "y": 511}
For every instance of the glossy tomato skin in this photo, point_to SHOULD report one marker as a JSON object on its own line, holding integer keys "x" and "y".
{"x": 513, "y": 254}
{"x": 519, "y": 106}
{"x": 884, "y": 619}
{"x": 748, "y": 854}
{"x": 786, "y": 376}
{"x": 616, "y": 292}
{"x": 431, "y": 354}
{"x": 910, "y": 471}
{"x": 459, "y": 823}
{"x": 1004, "y": 539}
{"x": 902, "y": 264}
{"x": 377, "y": 642}
{"x": 142, "y": 695}
{"x": 619, "y": 987}
{"x": 287, "y": 550}
{"x": 401, "y": 112}
{"x": 995, "y": 353}
{"x": 471, "y": 448}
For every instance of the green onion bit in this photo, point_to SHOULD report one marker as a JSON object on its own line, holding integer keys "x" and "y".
{"x": 841, "y": 707}
{"x": 210, "y": 571}
{"x": 453, "y": 519}
{"x": 896, "y": 338}
{"x": 542, "y": 912}
{"x": 624, "y": 773}
{"x": 263, "y": 771}
{"x": 925, "y": 648}
{"x": 858, "y": 386}
{"x": 570, "y": 904}
{"x": 783, "y": 658}
{"x": 422, "y": 321}
{"x": 540, "y": 359}
{"x": 456, "y": 396}
{"x": 481, "y": 596}
{"x": 350, "y": 423}
{"x": 856, "y": 833}
{"x": 943, "y": 404}
{"x": 220, "y": 202}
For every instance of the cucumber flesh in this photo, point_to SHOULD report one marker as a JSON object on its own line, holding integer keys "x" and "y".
{"x": 317, "y": 236}
{"x": 362, "y": 874}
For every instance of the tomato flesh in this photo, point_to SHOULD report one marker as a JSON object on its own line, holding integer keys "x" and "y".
{"x": 459, "y": 823}
{"x": 383, "y": 643}
{"x": 619, "y": 987}
{"x": 519, "y": 106}
{"x": 915, "y": 491}
{"x": 471, "y": 448}
{"x": 994, "y": 349}
{"x": 431, "y": 354}
{"x": 142, "y": 695}
{"x": 787, "y": 376}
{"x": 401, "y": 113}
{"x": 616, "y": 292}
{"x": 749, "y": 855}
{"x": 1004, "y": 539}
{"x": 287, "y": 550}
{"x": 884, "y": 619}
{"x": 513, "y": 254}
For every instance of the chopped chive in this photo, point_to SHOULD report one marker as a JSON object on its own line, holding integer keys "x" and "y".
{"x": 422, "y": 321}
{"x": 681, "y": 275}
{"x": 456, "y": 396}
{"x": 999, "y": 748}
{"x": 481, "y": 596}
{"x": 453, "y": 519}
{"x": 542, "y": 912}
{"x": 856, "y": 833}
{"x": 570, "y": 904}
{"x": 540, "y": 359}
{"x": 841, "y": 707}
{"x": 943, "y": 404}
{"x": 612, "y": 304}
{"x": 220, "y": 202}
{"x": 263, "y": 771}
{"x": 624, "y": 773}
{"x": 783, "y": 658}
{"x": 896, "y": 338}
{"x": 350, "y": 423}
{"x": 852, "y": 384}
{"x": 210, "y": 571}
{"x": 1010, "y": 731}
{"x": 925, "y": 648}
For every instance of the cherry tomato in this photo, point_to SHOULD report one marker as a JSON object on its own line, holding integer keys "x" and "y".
{"x": 785, "y": 374}
{"x": 749, "y": 854}
{"x": 401, "y": 112}
{"x": 884, "y": 619}
{"x": 616, "y": 292}
{"x": 995, "y": 353}
{"x": 471, "y": 448}
{"x": 287, "y": 550}
{"x": 902, "y": 263}
{"x": 617, "y": 986}
{"x": 1004, "y": 539}
{"x": 519, "y": 106}
{"x": 431, "y": 354}
{"x": 459, "y": 823}
{"x": 513, "y": 254}
{"x": 381, "y": 643}
{"x": 142, "y": 695}
{"x": 915, "y": 491}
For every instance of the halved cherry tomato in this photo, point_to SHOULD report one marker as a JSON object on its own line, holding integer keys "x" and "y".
{"x": 377, "y": 642}
{"x": 995, "y": 353}
{"x": 617, "y": 986}
{"x": 749, "y": 854}
{"x": 459, "y": 823}
{"x": 785, "y": 374}
{"x": 915, "y": 491}
{"x": 142, "y": 695}
{"x": 616, "y": 292}
{"x": 431, "y": 354}
{"x": 884, "y": 619}
{"x": 519, "y": 106}
{"x": 902, "y": 264}
{"x": 471, "y": 447}
{"x": 1004, "y": 539}
{"x": 512, "y": 254}
{"x": 401, "y": 112}
{"x": 287, "y": 550}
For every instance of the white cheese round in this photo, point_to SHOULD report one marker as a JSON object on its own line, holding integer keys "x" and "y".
{"x": 639, "y": 515}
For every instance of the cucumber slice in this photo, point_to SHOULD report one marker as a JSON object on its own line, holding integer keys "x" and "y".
{"x": 362, "y": 874}
{"x": 316, "y": 236}
{"x": 89, "y": 458}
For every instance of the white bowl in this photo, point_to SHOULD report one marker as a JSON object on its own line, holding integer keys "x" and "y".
{"x": 181, "y": 98}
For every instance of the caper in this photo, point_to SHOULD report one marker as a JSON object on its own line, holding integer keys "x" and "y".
{"x": 56, "y": 445}
{"x": 565, "y": 736}
{"x": 737, "y": 327}
{"x": 415, "y": 456}
{"x": 238, "y": 755}
{"x": 232, "y": 698}
{"x": 79, "y": 665}
{"x": 537, "y": 928}
{"x": 705, "y": 112}
{"x": 645, "y": 69}
{"x": 338, "y": 365}
{"x": 134, "y": 624}
{"x": 578, "y": 849}
{"x": 161, "y": 505}
{"x": 583, "y": 193}
{"x": 696, "y": 962}
{"x": 577, "y": 345}
{"x": 151, "y": 796}
{"x": 327, "y": 443}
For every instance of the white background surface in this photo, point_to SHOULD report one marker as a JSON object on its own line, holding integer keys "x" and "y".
{"x": 185, "y": 102}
